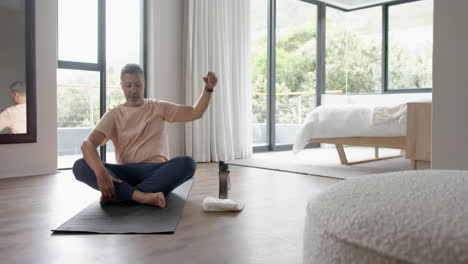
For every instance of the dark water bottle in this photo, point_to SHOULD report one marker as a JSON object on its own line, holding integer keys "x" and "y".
{"x": 224, "y": 180}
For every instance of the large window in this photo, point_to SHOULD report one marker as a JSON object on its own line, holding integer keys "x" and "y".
{"x": 77, "y": 111}
{"x": 88, "y": 77}
{"x": 77, "y": 31}
{"x": 283, "y": 91}
{"x": 305, "y": 48}
{"x": 410, "y": 45}
{"x": 354, "y": 51}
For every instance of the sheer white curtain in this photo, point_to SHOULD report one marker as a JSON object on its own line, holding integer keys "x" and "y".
{"x": 218, "y": 40}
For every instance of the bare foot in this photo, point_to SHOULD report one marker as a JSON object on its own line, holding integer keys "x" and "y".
{"x": 109, "y": 200}
{"x": 149, "y": 198}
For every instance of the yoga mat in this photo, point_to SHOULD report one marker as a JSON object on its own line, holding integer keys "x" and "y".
{"x": 130, "y": 218}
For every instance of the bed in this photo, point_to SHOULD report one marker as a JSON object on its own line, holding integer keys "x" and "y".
{"x": 355, "y": 125}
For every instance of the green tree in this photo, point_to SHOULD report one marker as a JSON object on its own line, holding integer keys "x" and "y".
{"x": 352, "y": 66}
{"x": 77, "y": 106}
{"x": 78, "y": 102}
{"x": 294, "y": 50}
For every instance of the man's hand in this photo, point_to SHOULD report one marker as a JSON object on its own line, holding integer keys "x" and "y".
{"x": 210, "y": 80}
{"x": 106, "y": 184}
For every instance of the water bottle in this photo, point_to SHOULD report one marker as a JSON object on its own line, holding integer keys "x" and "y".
{"x": 224, "y": 180}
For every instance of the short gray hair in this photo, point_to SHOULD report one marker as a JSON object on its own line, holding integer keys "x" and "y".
{"x": 17, "y": 87}
{"x": 131, "y": 68}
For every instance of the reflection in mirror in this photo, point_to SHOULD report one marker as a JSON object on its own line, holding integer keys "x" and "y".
{"x": 13, "y": 118}
{"x": 12, "y": 67}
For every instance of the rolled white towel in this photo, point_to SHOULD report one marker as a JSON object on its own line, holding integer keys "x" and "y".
{"x": 212, "y": 204}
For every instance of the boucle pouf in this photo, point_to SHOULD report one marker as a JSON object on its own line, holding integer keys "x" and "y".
{"x": 399, "y": 217}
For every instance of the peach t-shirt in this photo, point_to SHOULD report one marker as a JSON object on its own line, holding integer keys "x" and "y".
{"x": 139, "y": 133}
{"x": 14, "y": 118}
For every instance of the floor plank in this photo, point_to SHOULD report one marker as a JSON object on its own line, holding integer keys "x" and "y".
{"x": 268, "y": 230}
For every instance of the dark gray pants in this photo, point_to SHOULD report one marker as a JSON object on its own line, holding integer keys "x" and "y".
{"x": 146, "y": 177}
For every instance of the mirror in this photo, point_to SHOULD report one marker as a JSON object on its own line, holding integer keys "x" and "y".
{"x": 17, "y": 72}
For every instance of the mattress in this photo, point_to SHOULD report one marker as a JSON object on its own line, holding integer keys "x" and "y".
{"x": 352, "y": 120}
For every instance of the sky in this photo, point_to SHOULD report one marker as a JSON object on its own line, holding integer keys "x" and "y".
{"x": 77, "y": 32}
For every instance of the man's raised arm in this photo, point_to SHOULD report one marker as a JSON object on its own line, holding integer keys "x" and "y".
{"x": 202, "y": 104}
{"x": 190, "y": 113}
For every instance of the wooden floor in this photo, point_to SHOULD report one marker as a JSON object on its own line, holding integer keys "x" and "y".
{"x": 269, "y": 230}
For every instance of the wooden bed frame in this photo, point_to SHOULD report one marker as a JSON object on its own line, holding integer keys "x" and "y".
{"x": 376, "y": 142}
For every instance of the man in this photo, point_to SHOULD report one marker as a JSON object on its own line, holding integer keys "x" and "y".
{"x": 144, "y": 172}
{"x": 14, "y": 117}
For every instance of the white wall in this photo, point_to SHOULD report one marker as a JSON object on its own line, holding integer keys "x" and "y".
{"x": 165, "y": 62}
{"x": 41, "y": 157}
{"x": 450, "y": 92}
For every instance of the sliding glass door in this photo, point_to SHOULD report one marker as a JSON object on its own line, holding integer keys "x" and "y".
{"x": 284, "y": 46}
{"x": 295, "y": 67}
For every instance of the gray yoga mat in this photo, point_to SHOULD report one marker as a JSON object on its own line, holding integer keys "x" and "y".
{"x": 127, "y": 218}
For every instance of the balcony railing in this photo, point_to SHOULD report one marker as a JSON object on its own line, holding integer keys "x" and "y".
{"x": 292, "y": 108}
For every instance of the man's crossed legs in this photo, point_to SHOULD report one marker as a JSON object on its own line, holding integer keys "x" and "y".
{"x": 145, "y": 183}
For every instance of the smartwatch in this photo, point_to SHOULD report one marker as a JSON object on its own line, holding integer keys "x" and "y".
{"x": 210, "y": 90}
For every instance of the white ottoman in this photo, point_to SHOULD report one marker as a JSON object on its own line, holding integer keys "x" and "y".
{"x": 399, "y": 217}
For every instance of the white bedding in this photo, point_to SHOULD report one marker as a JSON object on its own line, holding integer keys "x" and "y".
{"x": 352, "y": 120}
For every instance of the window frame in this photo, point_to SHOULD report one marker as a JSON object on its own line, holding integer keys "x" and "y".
{"x": 101, "y": 65}
{"x": 271, "y": 80}
{"x": 385, "y": 66}
{"x": 321, "y": 64}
